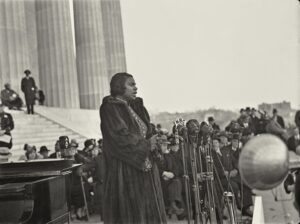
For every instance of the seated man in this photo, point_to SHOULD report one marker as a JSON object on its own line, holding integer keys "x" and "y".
{"x": 41, "y": 97}
{"x": 171, "y": 172}
{"x": 10, "y": 98}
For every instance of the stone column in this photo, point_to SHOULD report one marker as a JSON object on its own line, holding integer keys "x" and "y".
{"x": 32, "y": 39}
{"x": 4, "y": 60}
{"x": 16, "y": 49}
{"x": 57, "y": 66}
{"x": 113, "y": 35}
{"x": 90, "y": 53}
{"x": 298, "y": 48}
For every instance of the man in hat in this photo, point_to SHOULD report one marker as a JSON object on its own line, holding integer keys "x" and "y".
{"x": 223, "y": 139}
{"x": 242, "y": 113}
{"x": 10, "y": 98}
{"x": 28, "y": 87}
{"x": 248, "y": 111}
{"x": 278, "y": 118}
{"x": 254, "y": 121}
{"x": 213, "y": 124}
{"x": 220, "y": 181}
{"x": 44, "y": 152}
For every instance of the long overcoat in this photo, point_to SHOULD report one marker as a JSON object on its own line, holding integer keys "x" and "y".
{"x": 131, "y": 195}
{"x": 28, "y": 87}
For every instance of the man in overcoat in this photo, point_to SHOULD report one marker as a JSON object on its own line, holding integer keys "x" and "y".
{"x": 28, "y": 87}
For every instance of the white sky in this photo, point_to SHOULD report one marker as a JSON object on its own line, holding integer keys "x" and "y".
{"x": 196, "y": 54}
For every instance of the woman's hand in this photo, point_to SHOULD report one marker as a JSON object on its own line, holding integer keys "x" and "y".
{"x": 147, "y": 166}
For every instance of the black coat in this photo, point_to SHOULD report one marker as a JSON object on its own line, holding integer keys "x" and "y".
{"x": 130, "y": 194}
{"x": 292, "y": 143}
{"x": 28, "y": 87}
{"x": 173, "y": 163}
{"x": 280, "y": 121}
{"x": 229, "y": 158}
{"x": 7, "y": 122}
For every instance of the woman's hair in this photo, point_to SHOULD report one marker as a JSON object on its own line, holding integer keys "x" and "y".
{"x": 117, "y": 83}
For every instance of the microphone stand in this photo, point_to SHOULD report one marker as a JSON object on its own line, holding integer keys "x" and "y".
{"x": 192, "y": 142}
{"x": 208, "y": 179}
{"x": 186, "y": 179}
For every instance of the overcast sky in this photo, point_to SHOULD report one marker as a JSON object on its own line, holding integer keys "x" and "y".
{"x": 196, "y": 54}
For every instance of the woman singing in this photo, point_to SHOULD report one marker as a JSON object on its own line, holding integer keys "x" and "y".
{"x": 132, "y": 189}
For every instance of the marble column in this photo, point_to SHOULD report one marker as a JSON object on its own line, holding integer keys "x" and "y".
{"x": 90, "y": 53}
{"x": 298, "y": 55}
{"x": 113, "y": 35}
{"x": 15, "y": 57}
{"x": 4, "y": 60}
{"x": 32, "y": 39}
{"x": 57, "y": 65}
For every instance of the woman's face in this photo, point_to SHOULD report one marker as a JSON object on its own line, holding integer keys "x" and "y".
{"x": 130, "y": 89}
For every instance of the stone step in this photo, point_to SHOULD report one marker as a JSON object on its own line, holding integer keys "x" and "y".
{"x": 17, "y": 135}
{"x": 16, "y": 112}
{"x": 43, "y": 129}
{"x": 34, "y": 140}
{"x": 36, "y": 125}
{"x": 35, "y": 121}
{"x": 23, "y": 114}
{"x": 38, "y": 131}
{"x": 27, "y": 118}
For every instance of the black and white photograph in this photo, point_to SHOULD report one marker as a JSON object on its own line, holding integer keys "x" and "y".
{"x": 149, "y": 111}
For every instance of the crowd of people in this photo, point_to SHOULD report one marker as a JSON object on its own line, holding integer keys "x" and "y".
{"x": 225, "y": 145}
{"x": 86, "y": 189}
